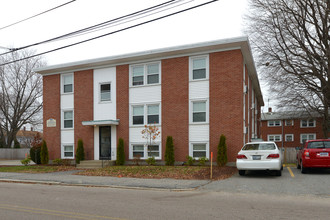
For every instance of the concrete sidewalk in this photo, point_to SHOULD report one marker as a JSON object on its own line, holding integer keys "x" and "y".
{"x": 68, "y": 178}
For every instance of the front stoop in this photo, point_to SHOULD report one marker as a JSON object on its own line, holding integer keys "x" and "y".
{"x": 94, "y": 164}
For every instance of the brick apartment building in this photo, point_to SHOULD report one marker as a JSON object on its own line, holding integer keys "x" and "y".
{"x": 290, "y": 129}
{"x": 193, "y": 93}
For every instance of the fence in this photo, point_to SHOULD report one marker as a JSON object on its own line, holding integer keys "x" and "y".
{"x": 13, "y": 154}
{"x": 290, "y": 155}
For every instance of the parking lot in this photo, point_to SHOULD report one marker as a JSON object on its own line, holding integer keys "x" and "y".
{"x": 292, "y": 182}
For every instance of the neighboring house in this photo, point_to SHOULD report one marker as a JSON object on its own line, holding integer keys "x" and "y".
{"x": 25, "y": 137}
{"x": 193, "y": 93}
{"x": 290, "y": 129}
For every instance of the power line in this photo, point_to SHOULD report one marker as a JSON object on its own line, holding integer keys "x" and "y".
{"x": 80, "y": 31}
{"x": 36, "y": 15}
{"x": 117, "y": 31}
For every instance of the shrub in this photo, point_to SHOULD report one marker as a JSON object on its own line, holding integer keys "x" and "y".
{"x": 202, "y": 161}
{"x": 190, "y": 160}
{"x": 169, "y": 151}
{"x": 44, "y": 157}
{"x": 16, "y": 144}
{"x": 58, "y": 161}
{"x": 26, "y": 161}
{"x": 120, "y": 152}
{"x": 222, "y": 151}
{"x": 151, "y": 161}
{"x": 80, "y": 153}
{"x": 137, "y": 160}
{"x": 35, "y": 154}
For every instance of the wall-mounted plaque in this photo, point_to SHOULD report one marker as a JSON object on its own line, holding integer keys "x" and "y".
{"x": 51, "y": 123}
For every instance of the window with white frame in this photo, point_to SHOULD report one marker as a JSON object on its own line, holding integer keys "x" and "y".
{"x": 145, "y": 74}
{"x": 67, "y": 83}
{"x": 140, "y": 151}
{"x": 199, "y": 68}
{"x": 105, "y": 92}
{"x": 307, "y": 137}
{"x": 289, "y": 137}
{"x": 138, "y": 115}
{"x": 199, "y": 111}
{"x": 274, "y": 137}
{"x": 68, "y": 119}
{"x": 273, "y": 123}
{"x": 288, "y": 122}
{"x": 68, "y": 150}
{"x": 199, "y": 150}
{"x": 307, "y": 123}
{"x": 153, "y": 114}
{"x": 146, "y": 114}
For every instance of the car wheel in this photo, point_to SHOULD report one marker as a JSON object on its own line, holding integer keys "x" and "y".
{"x": 302, "y": 168}
{"x": 241, "y": 172}
{"x": 298, "y": 166}
{"x": 278, "y": 172}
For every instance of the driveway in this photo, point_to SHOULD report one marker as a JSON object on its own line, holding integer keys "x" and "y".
{"x": 292, "y": 182}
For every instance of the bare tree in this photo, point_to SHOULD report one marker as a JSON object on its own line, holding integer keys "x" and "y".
{"x": 20, "y": 94}
{"x": 291, "y": 39}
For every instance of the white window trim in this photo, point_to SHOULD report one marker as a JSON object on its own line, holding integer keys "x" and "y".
{"x": 145, "y": 150}
{"x": 191, "y": 111}
{"x": 314, "y": 121}
{"x": 103, "y": 83}
{"x": 268, "y": 137}
{"x": 145, "y": 74}
{"x": 289, "y": 135}
{"x": 199, "y": 142}
{"x": 62, "y": 119}
{"x": 191, "y": 67}
{"x": 307, "y": 135}
{"x": 145, "y": 116}
{"x": 62, "y": 84}
{"x": 62, "y": 151}
{"x": 268, "y": 124}
{"x": 292, "y": 121}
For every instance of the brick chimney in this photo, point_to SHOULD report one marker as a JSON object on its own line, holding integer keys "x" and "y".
{"x": 269, "y": 109}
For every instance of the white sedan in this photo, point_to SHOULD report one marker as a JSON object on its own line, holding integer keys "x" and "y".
{"x": 259, "y": 156}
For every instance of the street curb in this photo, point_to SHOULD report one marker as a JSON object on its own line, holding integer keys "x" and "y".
{"x": 92, "y": 185}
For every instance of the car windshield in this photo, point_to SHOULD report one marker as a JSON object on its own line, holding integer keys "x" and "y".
{"x": 260, "y": 146}
{"x": 318, "y": 144}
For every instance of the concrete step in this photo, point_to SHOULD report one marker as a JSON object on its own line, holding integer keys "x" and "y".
{"x": 94, "y": 164}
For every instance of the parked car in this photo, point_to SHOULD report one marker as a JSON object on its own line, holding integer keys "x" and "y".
{"x": 314, "y": 154}
{"x": 263, "y": 155}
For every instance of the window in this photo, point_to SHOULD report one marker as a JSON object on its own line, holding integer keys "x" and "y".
{"x": 67, "y": 83}
{"x": 288, "y": 122}
{"x": 68, "y": 151}
{"x": 199, "y": 111}
{"x": 68, "y": 119}
{"x": 275, "y": 137}
{"x": 307, "y": 137}
{"x": 199, "y": 150}
{"x": 199, "y": 68}
{"x": 105, "y": 92}
{"x": 289, "y": 137}
{"x": 307, "y": 123}
{"x": 274, "y": 123}
{"x": 146, "y": 114}
{"x": 138, "y": 115}
{"x": 138, "y": 151}
{"x": 145, "y": 74}
{"x": 153, "y": 114}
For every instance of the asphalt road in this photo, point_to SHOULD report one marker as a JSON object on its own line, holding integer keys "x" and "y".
{"x": 35, "y": 201}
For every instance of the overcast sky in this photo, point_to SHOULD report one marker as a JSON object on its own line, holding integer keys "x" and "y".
{"x": 219, "y": 20}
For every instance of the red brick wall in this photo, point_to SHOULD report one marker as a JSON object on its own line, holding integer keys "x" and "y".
{"x": 296, "y": 130}
{"x": 51, "y": 109}
{"x": 175, "y": 105}
{"x": 122, "y": 107}
{"x": 83, "y": 111}
{"x": 226, "y": 101}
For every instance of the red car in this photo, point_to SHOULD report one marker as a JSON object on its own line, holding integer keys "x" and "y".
{"x": 314, "y": 154}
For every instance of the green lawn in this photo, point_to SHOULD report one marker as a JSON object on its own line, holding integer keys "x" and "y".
{"x": 34, "y": 169}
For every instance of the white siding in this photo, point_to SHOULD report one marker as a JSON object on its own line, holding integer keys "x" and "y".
{"x": 135, "y": 135}
{"x": 104, "y": 110}
{"x": 199, "y": 133}
{"x": 67, "y": 101}
{"x": 67, "y": 136}
{"x": 145, "y": 94}
{"x": 198, "y": 89}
